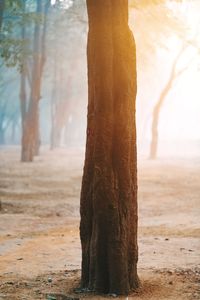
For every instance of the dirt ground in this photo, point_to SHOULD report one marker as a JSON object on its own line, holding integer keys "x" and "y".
{"x": 40, "y": 251}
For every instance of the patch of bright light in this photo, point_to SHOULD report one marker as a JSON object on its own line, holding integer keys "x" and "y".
{"x": 65, "y": 4}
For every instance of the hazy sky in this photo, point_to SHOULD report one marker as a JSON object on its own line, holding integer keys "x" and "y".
{"x": 181, "y": 112}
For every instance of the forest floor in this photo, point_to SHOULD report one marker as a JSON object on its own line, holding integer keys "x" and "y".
{"x": 40, "y": 251}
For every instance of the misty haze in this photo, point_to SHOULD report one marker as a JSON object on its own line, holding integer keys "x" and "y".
{"x": 99, "y": 149}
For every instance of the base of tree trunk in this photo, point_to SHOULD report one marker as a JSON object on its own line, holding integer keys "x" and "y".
{"x": 26, "y": 157}
{"x": 153, "y": 148}
{"x": 27, "y": 149}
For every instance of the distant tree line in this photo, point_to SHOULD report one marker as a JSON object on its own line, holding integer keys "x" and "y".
{"x": 40, "y": 46}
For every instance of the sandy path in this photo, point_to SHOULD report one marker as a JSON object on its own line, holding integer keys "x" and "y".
{"x": 39, "y": 226}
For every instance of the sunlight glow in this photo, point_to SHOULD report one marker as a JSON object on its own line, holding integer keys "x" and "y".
{"x": 65, "y": 4}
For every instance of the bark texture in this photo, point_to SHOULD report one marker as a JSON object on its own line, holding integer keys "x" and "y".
{"x": 108, "y": 227}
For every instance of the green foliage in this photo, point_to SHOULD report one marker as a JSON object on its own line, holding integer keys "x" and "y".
{"x": 17, "y": 14}
{"x": 13, "y": 4}
{"x": 12, "y": 52}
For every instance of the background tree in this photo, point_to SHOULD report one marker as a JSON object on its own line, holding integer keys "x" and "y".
{"x": 174, "y": 74}
{"x": 31, "y": 135}
{"x": 109, "y": 189}
{"x": 9, "y": 121}
{"x": 70, "y": 24}
{"x": 22, "y": 28}
{"x": 66, "y": 28}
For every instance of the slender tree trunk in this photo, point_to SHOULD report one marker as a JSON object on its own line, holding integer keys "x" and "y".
{"x": 2, "y": 6}
{"x": 13, "y": 131}
{"x": 31, "y": 136}
{"x": 3, "y": 108}
{"x": 52, "y": 136}
{"x": 156, "y": 114}
{"x": 60, "y": 111}
{"x": 154, "y": 139}
{"x": 53, "y": 103}
{"x": 108, "y": 227}
{"x": 52, "y": 133}
{"x": 2, "y": 135}
{"x": 174, "y": 74}
{"x": 155, "y": 122}
{"x": 23, "y": 98}
{"x": 30, "y": 139}
{"x": 42, "y": 39}
{"x": 27, "y": 131}
{"x": 37, "y": 133}
{"x": 60, "y": 106}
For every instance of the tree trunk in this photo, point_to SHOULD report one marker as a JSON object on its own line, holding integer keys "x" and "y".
{"x": 154, "y": 128}
{"x": 155, "y": 121}
{"x": 52, "y": 135}
{"x": 23, "y": 97}
{"x": 37, "y": 140}
{"x": 13, "y": 131}
{"x": 30, "y": 139}
{"x": 27, "y": 135}
{"x": 174, "y": 74}
{"x": 60, "y": 104}
{"x": 108, "y": 227}
{"x": 42, "y": 59}
{"x": 53, "y": 103}
{"x": 31, "y": 136}
{"x": 2, "y": 135}
{"x": 154, "y": 138}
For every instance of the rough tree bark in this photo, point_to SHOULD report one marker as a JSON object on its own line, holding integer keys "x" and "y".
{"x": 108, "y": 227}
